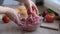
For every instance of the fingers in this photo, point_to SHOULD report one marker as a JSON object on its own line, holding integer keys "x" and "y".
{"x": 29, "y": 9}
{"x": 35, "y": 11}
{"x": 35, "y": 8}
{"x": 13, "y": 15}
{"x": 32, "y": 13}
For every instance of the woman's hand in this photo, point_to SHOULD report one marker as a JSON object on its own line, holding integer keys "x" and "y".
{"x": 13, "y": 15}
{"x": 31, "y": 7}
{"x": 32, "y": 11}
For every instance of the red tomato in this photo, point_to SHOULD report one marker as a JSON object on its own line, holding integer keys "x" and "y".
{"x": 50, "y": 17}
{"x": 6, "y": 19}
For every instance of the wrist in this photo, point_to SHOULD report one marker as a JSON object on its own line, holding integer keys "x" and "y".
{"x": 10, "y": 11}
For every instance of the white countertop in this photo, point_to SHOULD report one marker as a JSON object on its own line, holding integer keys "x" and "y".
{"x": 10, "y": 28}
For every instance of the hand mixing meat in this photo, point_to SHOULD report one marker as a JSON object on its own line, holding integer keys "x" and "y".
{"x": 30, "y": 23}
{"x": 32, "y": 13}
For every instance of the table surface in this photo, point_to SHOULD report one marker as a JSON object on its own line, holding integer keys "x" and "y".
{"x": 11, "y": 28}
{"x": 54, "y": 25}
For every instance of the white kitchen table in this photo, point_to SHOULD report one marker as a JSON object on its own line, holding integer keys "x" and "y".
{"x": 11, "y": 28}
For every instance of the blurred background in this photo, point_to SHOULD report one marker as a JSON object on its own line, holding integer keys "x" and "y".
{"x": 8, "y": 2}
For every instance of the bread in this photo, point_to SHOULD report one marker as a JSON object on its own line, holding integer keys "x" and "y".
{"x": 22, "y": 11}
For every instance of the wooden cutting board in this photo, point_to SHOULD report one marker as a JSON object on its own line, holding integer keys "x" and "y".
{"x": 53, "y": 26}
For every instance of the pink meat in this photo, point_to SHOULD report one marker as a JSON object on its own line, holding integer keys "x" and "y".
{"x": 33, "y": 18}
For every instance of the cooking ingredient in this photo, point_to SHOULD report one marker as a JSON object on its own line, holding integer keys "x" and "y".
{"x": 22, "y": 11}
{"x": 44, "y": 13}
{"x": 6, "y": 19}
{"x": 29, "y": 20}
{"x": 50, "y": 17}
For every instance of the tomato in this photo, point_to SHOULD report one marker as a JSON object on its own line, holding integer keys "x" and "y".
{"x": 50, "y": 17}
{"x": 6, "y": 19}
